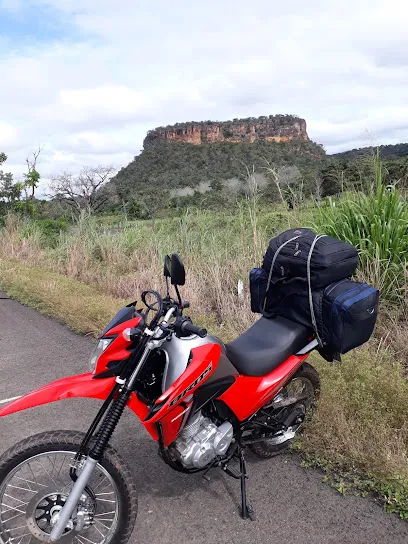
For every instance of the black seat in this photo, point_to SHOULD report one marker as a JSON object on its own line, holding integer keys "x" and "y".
{"x": 265, "y": 345}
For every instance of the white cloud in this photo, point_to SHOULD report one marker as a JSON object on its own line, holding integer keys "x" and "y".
{"x": 8, "y": 134}
{"x": 91, "y": 97}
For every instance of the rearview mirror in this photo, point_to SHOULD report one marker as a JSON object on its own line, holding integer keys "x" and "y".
{"x": 177, "y": 271}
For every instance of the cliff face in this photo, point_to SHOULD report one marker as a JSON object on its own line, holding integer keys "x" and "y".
{"x": 275, "y": 128}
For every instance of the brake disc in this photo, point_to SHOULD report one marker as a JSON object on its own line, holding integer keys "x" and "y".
{"x": 42, "y": 514}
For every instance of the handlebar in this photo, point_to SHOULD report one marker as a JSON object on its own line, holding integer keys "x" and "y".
{"x": 165, "y": 308}
{"x": 187, "y": 327}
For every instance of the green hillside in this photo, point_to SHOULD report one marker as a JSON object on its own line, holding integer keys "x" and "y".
{"x": 386, "y": 152}
{"x": 174, "y": 165}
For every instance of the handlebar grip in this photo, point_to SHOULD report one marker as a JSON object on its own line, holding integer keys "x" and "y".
{"x": 188, "y": 327}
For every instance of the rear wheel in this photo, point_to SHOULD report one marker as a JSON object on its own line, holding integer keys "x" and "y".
{"x": 35, "y": 483}
{"x": 299, "y": 395}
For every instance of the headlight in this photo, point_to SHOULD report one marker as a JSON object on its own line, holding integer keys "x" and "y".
{"x": 97, "y": 352}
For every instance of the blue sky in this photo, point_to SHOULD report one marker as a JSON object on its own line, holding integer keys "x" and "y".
{"x": 27, "y": 24}
{"x": 87, "y": 78}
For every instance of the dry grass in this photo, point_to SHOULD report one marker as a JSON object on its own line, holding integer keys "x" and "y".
{"x": 361, "y": 421}
{"x": 80, "y": 306}
{"x": 123, "y": 264}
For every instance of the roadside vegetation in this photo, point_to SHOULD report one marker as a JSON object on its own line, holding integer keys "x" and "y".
{"x": 83, "y": 272}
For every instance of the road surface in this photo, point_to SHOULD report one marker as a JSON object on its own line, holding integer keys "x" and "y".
{"x": 292, "y": 504}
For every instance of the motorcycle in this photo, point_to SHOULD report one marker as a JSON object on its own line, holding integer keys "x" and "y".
{"x": 202, "y": 401}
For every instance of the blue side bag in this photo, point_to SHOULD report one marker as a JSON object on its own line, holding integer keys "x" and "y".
{"x": 346, "y": 314}
{"x": 345, "y": 311}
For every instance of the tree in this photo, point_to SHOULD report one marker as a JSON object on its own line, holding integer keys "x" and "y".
{"x": 273, "y": 171}
{"x": 288, "y": 181}
{"x": 83, "y": 191}
{"x": 318, "y": 186}
{"x": 10, "y": 192}
{"x": 32, "y": 177}
{"x": 150, "y": 204}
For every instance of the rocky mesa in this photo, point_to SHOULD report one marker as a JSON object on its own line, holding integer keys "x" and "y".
{"x": 272, "y": 128}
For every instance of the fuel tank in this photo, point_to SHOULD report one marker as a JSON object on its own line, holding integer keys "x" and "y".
{"x": 177, "y": 352}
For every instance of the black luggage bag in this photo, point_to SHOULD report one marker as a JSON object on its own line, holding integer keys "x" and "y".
{"x": 305, "y": 278}
{"x": 288, "y": 253}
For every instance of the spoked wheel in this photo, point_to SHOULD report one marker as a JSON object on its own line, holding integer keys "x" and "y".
{"x": 292, "y": 404}
{"x": 35, "y": 483}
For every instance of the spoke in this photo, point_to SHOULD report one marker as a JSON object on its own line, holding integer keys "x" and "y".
{"x": 100, "y": 483}
{"x": 54, "y": 467}
{"x": 59, "y": 472}
{"x": 87, "y": 539}
{"x": 48, "y": 474}
{"x": 19, "y": 542}
{"x": 106, "y": 500}
{"x": 19, "y": 536}
{"x": 22, "y": 503}
{"x": 106, "y": 493}
{"x": 13, "y": 508}
{"x": 100, "y": 532}
{"x": 31, "y": 470}
{"x": 107, "y": 486}
{"x": 105, "y": 513}
{"x": 15, "y": 528}
{"x": 52, "y": 463}
{"x": 30, "y": 482}
{"x": 100, "y": 521}
{"x": 12, "y": 517}
{"x": 22, "y": 488}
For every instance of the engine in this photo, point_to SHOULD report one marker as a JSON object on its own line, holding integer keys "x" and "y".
{"x": 201, "y": 441}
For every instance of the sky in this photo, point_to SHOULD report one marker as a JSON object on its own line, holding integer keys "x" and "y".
{"x": 86, "y": 79}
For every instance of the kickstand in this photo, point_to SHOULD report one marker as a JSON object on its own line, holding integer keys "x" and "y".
{"x": 247, "y": 512}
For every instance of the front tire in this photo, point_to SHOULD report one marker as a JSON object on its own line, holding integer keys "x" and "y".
{"x": 34, "y": 483}
{"x": 309, "y": 377}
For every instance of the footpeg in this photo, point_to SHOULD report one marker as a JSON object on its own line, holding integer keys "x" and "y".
{"x": 232, "y": 472}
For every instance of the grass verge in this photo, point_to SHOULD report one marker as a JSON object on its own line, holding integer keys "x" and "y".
{"x": 359, "y": 433}
{"x": 80, "y": 306}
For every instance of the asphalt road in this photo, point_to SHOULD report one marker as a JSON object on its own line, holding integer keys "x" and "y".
{"x": 292, "y": 504}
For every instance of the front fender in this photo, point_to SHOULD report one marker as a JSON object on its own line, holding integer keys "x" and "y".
{"x": 81, "y": 385}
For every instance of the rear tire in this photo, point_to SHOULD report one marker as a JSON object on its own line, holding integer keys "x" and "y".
{"x": 265, "y": 449}
{"x": 38, "y": 446}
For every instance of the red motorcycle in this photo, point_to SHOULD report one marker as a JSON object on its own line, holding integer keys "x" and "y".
{"x": 202, "y": 401}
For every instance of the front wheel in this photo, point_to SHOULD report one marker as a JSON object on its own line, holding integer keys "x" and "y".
{"x": 35, "y": 483}
{"x": 299, "y": 396}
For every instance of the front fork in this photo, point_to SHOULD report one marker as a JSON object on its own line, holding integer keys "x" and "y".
{"x": 103, "y": 437}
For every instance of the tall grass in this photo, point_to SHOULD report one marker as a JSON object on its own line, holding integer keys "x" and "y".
{"x": 361, "y": 421}
{"x": 218, "y": 250}
{"x": 376, "y": 223}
